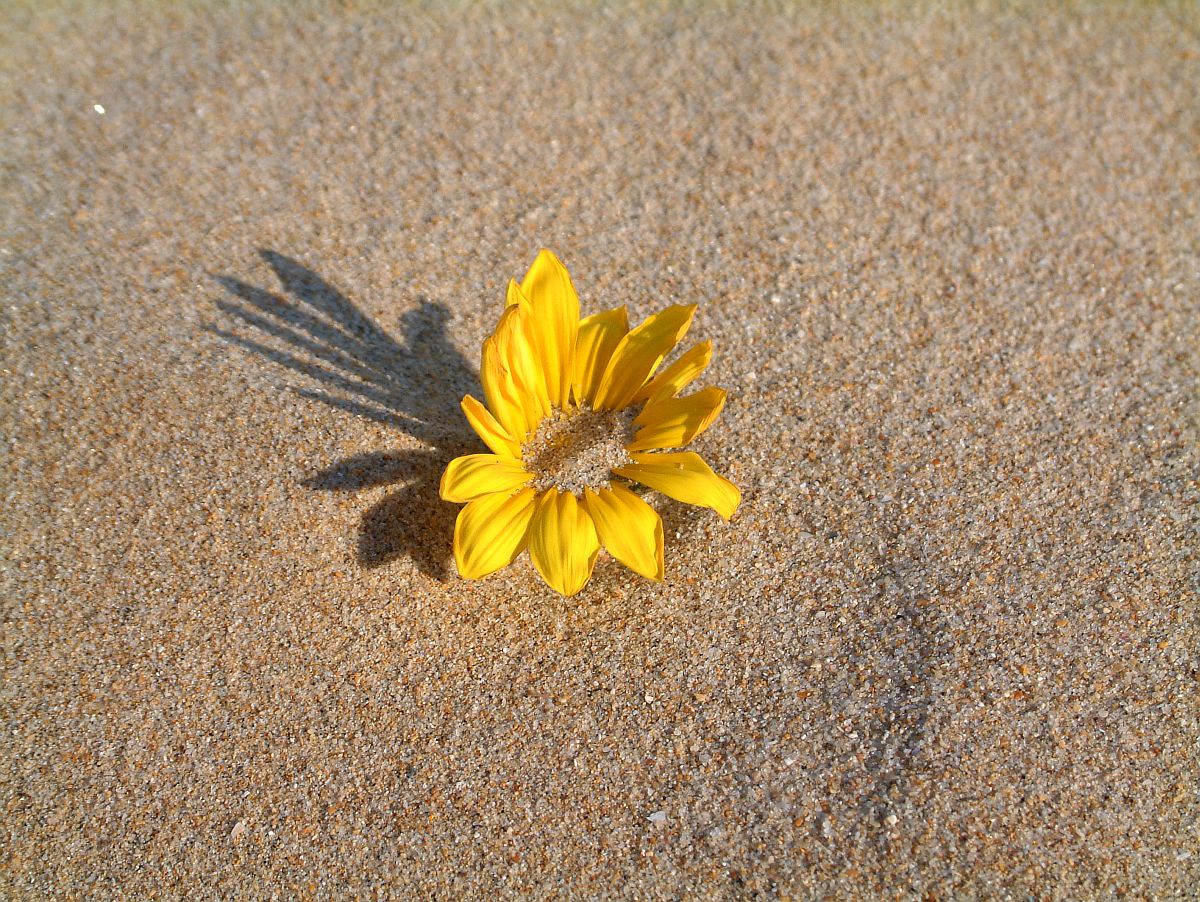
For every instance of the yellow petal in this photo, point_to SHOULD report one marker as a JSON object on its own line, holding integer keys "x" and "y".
{"x": 488, "y": 428}
{"x": 630, "y": 529}
{"x": 563, "y": 542}
{"x": 501, "y": 392}
{"x": 518, "y": 355}
{"x": 639, "y": 353}
{"x": 673, "y": 422}
{"x": 599, "y": 335}
{"x": 532, "y": 366}
{"x": 679, "y": 374}
{"x": 555, "y": 307}
{"x": 513, "y": 296}
{"x": 475, "y": 475}
{"x": 684, "y": 476}
{"x": 491, "y": 531}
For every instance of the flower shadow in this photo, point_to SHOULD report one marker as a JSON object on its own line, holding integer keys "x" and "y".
{"x": 312, "y": 329}
{"x": 411, "y": 522}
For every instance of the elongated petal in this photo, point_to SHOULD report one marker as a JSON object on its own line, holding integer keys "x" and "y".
{"x": 673, "y": 422}
{"x": 475, "y": 475}
{"x": 679, "y": 374}
{"x": 630, "y": 529}
{"x": 520, "y": 358}
{"x": 563, "y": 542}
{"x": 501, "y": 392}
{"x": 488, "y": 428}
{"x": 684, "y": 476}
{"x": 532, "y": 365}
{"x": 639, "y": 353}
{"x": 514, "y": 296}
{"x": 491, "y": 531}
{"x": 555, "y": 306}
{"x": 599, "y": 335}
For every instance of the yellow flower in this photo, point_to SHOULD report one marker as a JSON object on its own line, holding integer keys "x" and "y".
{"x": 577, "y": 411}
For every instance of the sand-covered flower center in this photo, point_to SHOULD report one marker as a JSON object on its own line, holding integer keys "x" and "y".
{"x": 578, "y": 448}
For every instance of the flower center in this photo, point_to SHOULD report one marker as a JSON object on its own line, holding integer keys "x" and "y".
{"x": 578, "y": 448}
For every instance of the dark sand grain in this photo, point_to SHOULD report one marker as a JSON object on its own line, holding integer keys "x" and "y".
{"x": 948, "y": 648}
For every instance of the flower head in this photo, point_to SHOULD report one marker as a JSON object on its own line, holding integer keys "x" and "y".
{"x": 577, "y": 413}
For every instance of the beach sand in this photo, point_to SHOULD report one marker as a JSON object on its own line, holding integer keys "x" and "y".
{"x": 950, "y": 263}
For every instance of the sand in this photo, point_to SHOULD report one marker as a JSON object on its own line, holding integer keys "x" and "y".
{"x": 948, "y": 647}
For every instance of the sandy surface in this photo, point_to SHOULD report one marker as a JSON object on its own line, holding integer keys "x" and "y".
{"x": 947, "y": 648}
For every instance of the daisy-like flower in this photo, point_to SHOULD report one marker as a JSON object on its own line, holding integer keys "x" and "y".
{"x": 577, "y": 411}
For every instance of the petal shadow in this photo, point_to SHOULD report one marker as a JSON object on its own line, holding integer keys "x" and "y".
{"x": 351, "y": 363}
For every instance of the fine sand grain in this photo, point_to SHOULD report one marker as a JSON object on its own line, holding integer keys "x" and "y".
{"x": 950, "y": 262}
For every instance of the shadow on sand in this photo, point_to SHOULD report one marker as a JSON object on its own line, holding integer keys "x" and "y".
{"x": 410, "y": 384}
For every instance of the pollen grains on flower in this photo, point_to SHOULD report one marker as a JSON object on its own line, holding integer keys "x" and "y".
{"x": 577, "y": 448}
{"x": 578, "y": 410}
